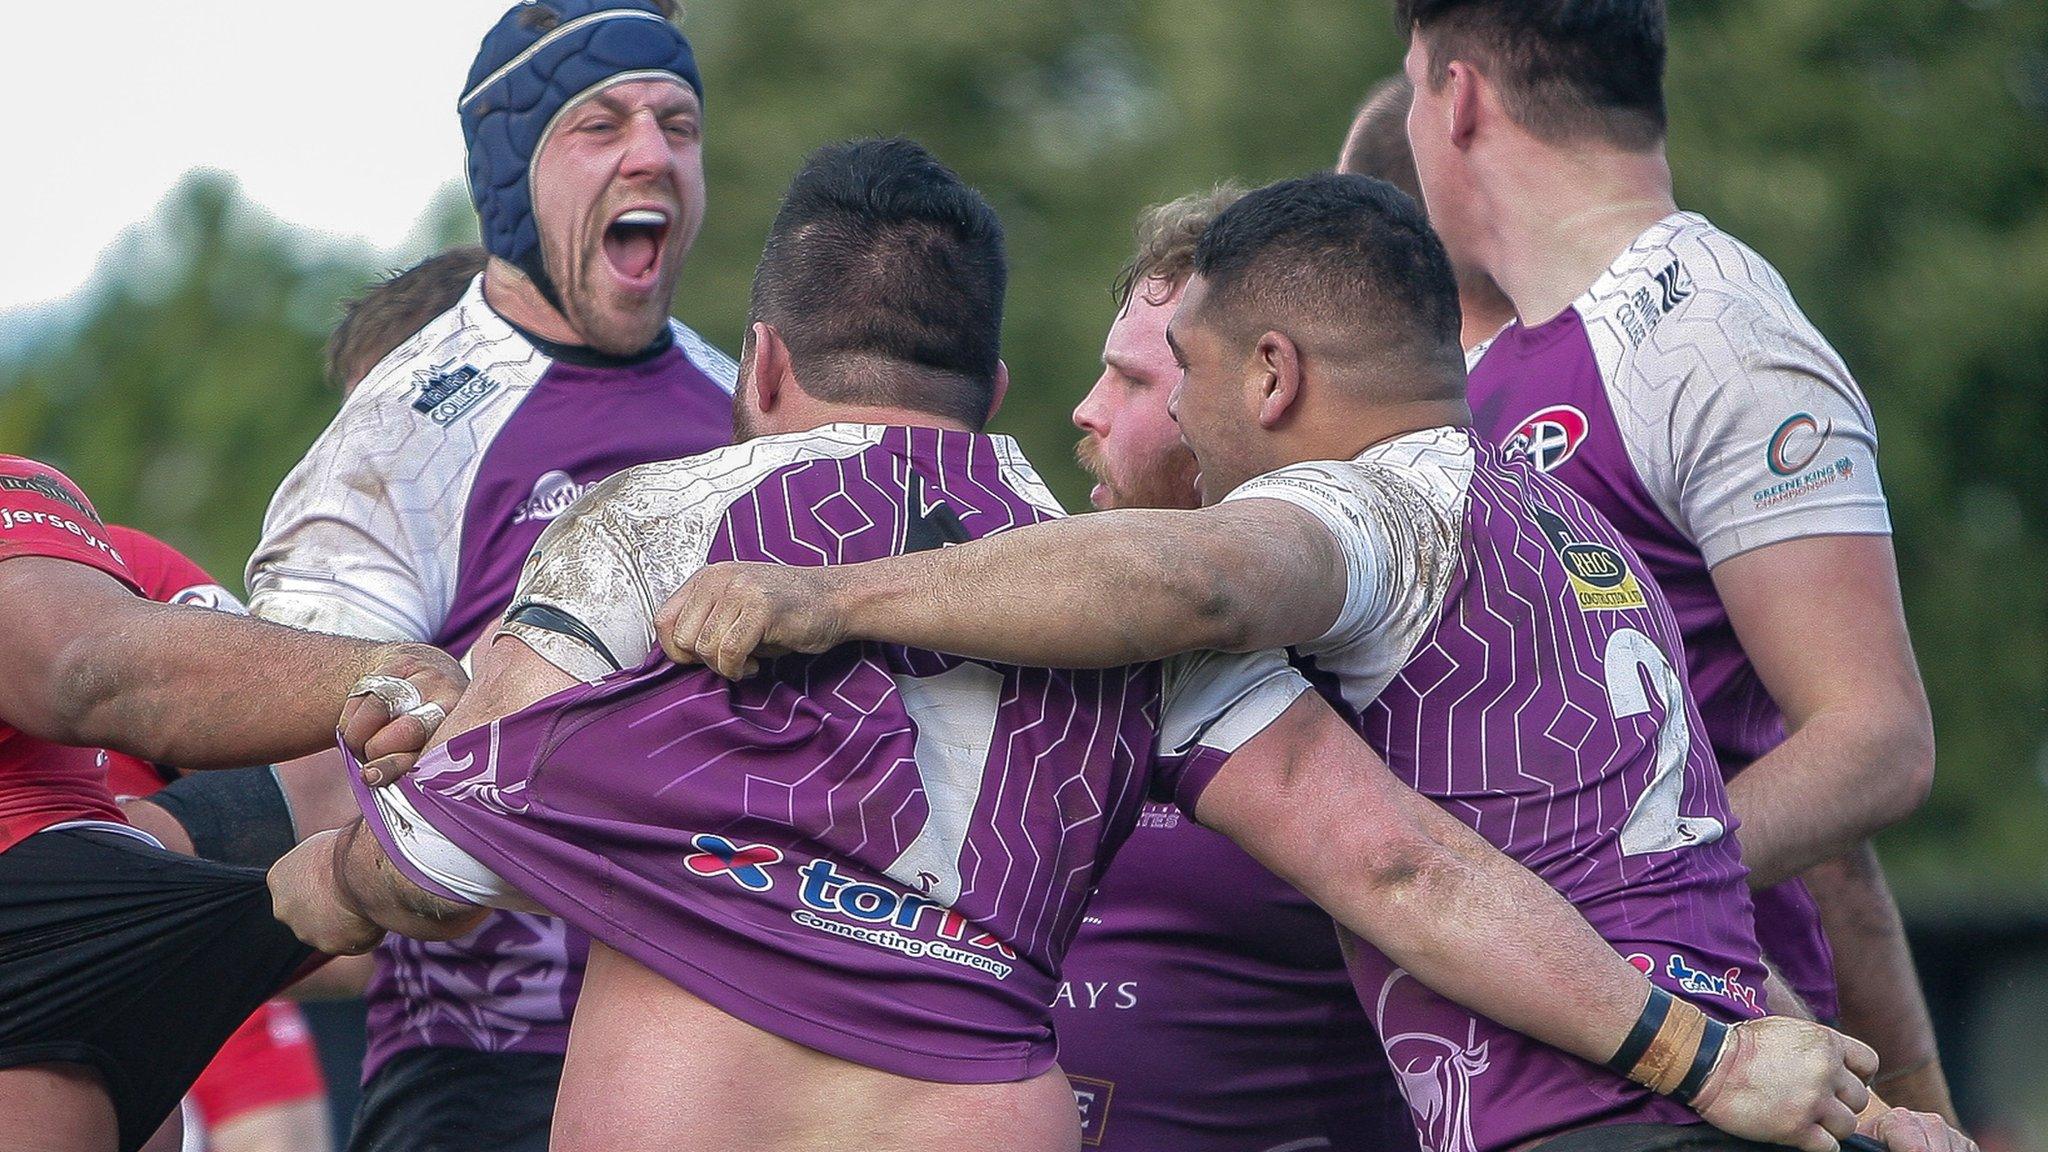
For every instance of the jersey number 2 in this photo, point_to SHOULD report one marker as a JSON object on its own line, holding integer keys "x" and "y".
{"x": 1655, "y": 824}
{"x": 955, "y": 714}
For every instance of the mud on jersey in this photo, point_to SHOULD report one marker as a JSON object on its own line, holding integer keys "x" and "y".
{"x": 1687, "y": 397}
{"x": 409, "y": 519}
{"x": 1504, "y": 651}
{"x": 878, "y": 852}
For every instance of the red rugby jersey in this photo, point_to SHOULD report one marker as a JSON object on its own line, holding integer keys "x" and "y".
{"x": 42, "y": 513}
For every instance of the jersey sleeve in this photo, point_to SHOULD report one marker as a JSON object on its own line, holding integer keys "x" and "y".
{"x": 1211, "y": 704}
{"x": 42, "y": 513}
{"x": 168, "y": 576}
{"x": 588, "y": 594}
{"x": 1382, "y": 525}
{"x": 1768, "y": 439}
{"x": 360, "y": 538}
{"x": 406, "y": 819}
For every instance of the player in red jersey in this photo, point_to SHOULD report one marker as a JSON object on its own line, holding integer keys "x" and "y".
{"x": 123, "y": 966}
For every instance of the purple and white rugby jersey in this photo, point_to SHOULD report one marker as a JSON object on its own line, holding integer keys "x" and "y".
{"x": 409, "y": 519}
{"x": 880, "y": 853}
{"x": 1204, "y": 1007}
{"x": 1688, "y": 399}
{"x": 1502, "y": 650}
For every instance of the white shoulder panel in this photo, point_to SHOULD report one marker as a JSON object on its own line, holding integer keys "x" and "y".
{"x": 626, "y": 546}
{"x": 363, "y": 536}
{"x": 1743, "y": 423}
{"x": 1397, "y": 512}
{"x": 709, "y": 360}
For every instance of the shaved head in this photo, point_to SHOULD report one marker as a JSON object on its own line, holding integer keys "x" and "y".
{"x": 1378, "y": 143}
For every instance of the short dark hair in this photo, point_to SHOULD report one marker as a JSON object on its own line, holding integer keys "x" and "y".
{"x": 1348, "y": 267}
{"x": 393, "y": 309}
{"x": 883, "y": 258}
{"x": 1378, "y": 144}
{"x": 1167, "y": 235}
{"x": 1565, "y": 68}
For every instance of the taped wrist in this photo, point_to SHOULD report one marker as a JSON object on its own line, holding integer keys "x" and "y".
{"x": 1672, "y": 1049}
{"x": 234, "y": 816}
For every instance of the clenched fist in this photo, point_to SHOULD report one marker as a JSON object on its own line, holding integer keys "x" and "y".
{"x": 1785, "y": 1081}
{"x": 729, "y": 617}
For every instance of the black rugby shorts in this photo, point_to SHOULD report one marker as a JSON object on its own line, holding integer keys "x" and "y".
{"x": 136, "y": 962}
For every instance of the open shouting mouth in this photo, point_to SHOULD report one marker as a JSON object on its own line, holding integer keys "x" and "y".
{"x": 633, "y": 244}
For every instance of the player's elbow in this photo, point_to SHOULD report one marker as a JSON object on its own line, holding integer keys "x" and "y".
{"x": 1385, "y": 878}
{"x": 1906, "y": 751}
{"x": 81, "y": 698}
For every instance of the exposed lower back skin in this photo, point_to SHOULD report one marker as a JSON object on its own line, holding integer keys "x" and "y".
{"x": 56, "y": 1108}
{"x": 651, "y": 1066}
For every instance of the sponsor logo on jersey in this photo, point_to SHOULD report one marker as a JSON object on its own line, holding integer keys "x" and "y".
{"x": 905, "y": 922}
{"x": 1728, "y": 986}
{"x": 1598, "y": 574}
{"x": 1548, "y": 438}
{"x": 1796, "y": 443}
{"x": 1792, "y": 453}
{"x": 1092, "y": 1097}
{"x": 49, "y": 489}
{"x": 211, "y": 596}
{"x": 445, "y": 395}
{"x": 11, "y": 519}
{"x": 1088, "y": 995}
{"x": 552, "y": 495}
{"x": 744, "y": 864}
{"x": 1162, "y": 816}
{"x": 1642, "y": 308}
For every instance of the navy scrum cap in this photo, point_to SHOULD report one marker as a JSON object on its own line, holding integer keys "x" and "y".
{"x": 542, "y": 57}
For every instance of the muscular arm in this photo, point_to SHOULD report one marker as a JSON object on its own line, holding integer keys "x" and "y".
{"x": 1821, "y": 620}
{"x": 1094, "y": 591}
{"x": 89, "y": 663}
{"x": 1312, "y": 803}
{"x": 1321, "y": 811}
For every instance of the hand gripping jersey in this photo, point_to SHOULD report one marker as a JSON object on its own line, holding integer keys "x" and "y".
{"x": 880, "y": 853}
{"x": 42, "y": 513}
{"x": 1688, "y": 399}
{"x": 1204, "y": 1007}
{"x": 409, "y": 518}
{"x": 1501, "y": 647}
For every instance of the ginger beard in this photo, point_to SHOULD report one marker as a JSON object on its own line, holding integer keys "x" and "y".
{"x": 618, "y": 198}
{"x": 1133, "y": 448}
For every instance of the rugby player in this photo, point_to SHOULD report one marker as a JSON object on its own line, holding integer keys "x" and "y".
{"x": 1203, "y": 1005}
{"x": 122, "y": 966}
{"x": 253, "y": 816}
{"x": 1661, "y": 368}
{"x": 832, "y": 899}
{"x": 1486, "y": 629}
{"x": 263, "y": 1091}
{"x": 411, "y": 515}
{"x": 1377, "y": 146}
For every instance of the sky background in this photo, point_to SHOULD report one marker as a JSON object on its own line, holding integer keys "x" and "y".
{"x": 108, "y": 104}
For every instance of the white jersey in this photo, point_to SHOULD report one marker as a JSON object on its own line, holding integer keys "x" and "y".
{"x": 377, "y": 529}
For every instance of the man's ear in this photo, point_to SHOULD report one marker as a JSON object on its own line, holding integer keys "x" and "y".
{"x": 1462, "y": 96}
{"x": 995, "y": 402}
{"x": 1275, "y": 378}
{"x": 767, "y": 365}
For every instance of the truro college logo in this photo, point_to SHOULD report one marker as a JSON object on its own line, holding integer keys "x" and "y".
{"x": 1549, "y": 438}
{"x": 1796, "y": 442}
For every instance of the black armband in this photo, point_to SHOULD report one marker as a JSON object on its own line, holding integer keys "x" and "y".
{"x": 234, "y": 816}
